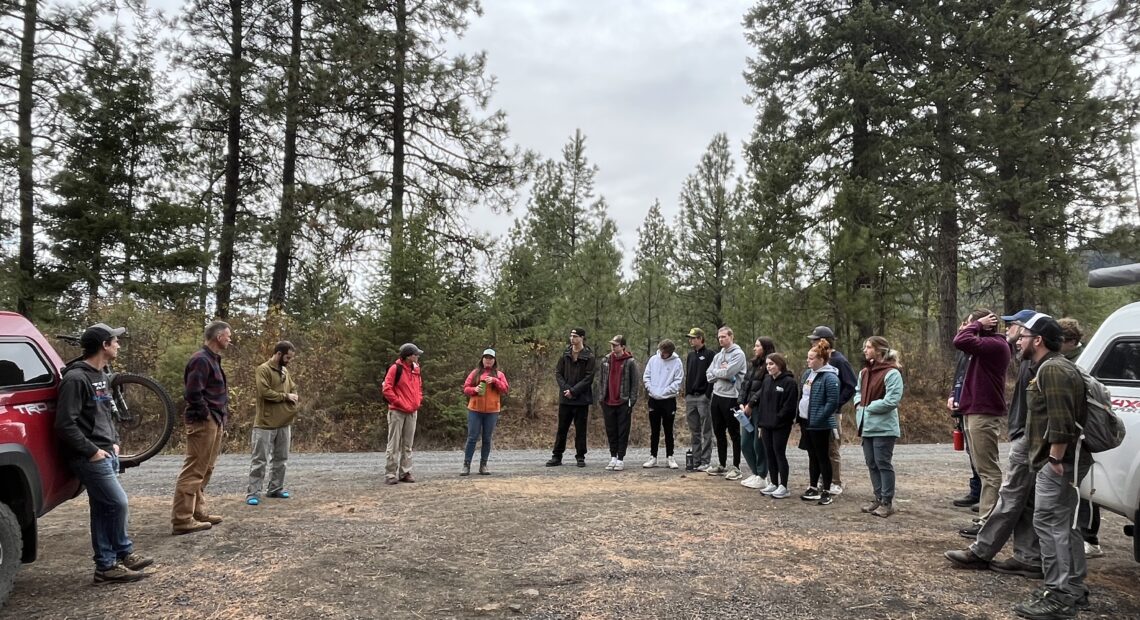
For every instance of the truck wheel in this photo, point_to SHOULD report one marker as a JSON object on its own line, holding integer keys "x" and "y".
{"x": 11, "y": 550}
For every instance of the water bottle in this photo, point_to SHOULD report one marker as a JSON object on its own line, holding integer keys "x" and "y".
{"x": 959, "y": 440}
{"x": 689, "y": 464}
{"x": 743, "y": 419}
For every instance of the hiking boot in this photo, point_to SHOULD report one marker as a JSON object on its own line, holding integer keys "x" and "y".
{"x": 407, "y": 477}
{"x": 884, "y": 510}
{"x": 965, "y": 502}
{"x": 672, "y": 462}
{"x": 770, "y": 489}
{"x": 825, "y": 498}
{"x": 733, "y": 473}
{"x": 554, "y": 461}
{"x": 966, "y": 558}
{"x": 652, "y": 462}
{"x": 1082, "y": 603}
{"x": 211, "y": 519}
{"x": 970, "y": 532}
{"x": 190, "y": 528}
{"x": 872, "y": 507}
{"x": 1014, "y": 566}
{"x": 1048, "y": 605}
{"x": 581, "y": 461}
{"x": 1093, "y": 551}
{"x": 781, "y": 492}
{"x": 136, "y": 561}
{"x": 483, "y": 471}
{"x": 466, "y": 471}
{"x": 119, "y": 574}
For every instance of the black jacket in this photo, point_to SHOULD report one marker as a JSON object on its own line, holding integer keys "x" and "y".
{"x": 774, "y": 404}
{"x": 84, "y": 417}
{"x": 576, "y": 376}
{"x": 696, "y": 365}
{"x": 752, "y": 380}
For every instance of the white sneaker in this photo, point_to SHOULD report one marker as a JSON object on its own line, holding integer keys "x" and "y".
{"x": 652, "y": 462}
{"x": 770, "y": 489}
{"x": 619, "y": 466}
{"x": 733, "y": 474}
{"x": 781, "y": 492}
{"x": 1093, "y": 551}
{"x": 836, "y": 489}
{"x": 747, "y": 481}
{"x": 613, "y": 461}
{"x": 704, "y": 467}
{"x": 758, "y": 482}
{"x": 672, "y": 463}
{"x": 715, "y": 470}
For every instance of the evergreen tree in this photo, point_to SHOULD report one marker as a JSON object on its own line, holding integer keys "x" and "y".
{"x": 651, "y": 294}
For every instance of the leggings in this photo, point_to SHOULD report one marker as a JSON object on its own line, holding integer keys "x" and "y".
{"x": 819, "y": 442}
{"x": 723, "y": 420}
{"x": 776, "y": 448}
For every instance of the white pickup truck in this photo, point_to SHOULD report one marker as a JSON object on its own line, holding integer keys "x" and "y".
{"x": 1112, "y": 355}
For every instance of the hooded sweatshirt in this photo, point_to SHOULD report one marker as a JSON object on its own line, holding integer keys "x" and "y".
{"x": 726, "y": 372}
{"x": 821, "y": 397}
{"x": 983, "y": 387}
{"x": 618, "y": 372}
{"x": 663, "y": 377}
{"x": 84, "y": 419}
{"x": 774, "y": 404}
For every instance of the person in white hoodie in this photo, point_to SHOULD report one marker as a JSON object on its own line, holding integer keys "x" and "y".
{"x": 663, "y": 376}
{"x": 726, "y": 373}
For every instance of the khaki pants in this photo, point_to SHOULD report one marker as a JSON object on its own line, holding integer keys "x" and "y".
{"x": 203, "y": 442}
{"x": 401, "y": 432}
{"x": 983, "y": 432}
{"x": 833, "y": 450}
{"x": 270, "y": 446}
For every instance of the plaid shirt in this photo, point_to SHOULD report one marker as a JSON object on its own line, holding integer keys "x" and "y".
{"x": 206, "y": 391}
{"x": 1056, "y": 404}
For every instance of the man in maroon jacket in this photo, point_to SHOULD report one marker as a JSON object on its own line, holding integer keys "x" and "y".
{"x": 403, "y": 389}
{"x": 982, "y": 400}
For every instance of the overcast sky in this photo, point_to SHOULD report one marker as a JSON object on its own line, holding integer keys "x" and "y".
{"x": 649, "y": 82}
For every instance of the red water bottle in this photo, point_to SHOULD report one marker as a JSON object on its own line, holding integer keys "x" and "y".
{"x": 959, "y": 440}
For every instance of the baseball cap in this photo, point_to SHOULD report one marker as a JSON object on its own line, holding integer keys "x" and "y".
{"x": 697, "y": 332}
{"x": 618, "y": 339}
{"x": 578, "y": 331}
{"x": 408, "y": 348}
{"x": 1045, "y": 326}
{"x": 490, "y": 352}
{"x": 93, "y": 337}
{"x": 822, "y": 331}
{"x": 1020, "y": 317}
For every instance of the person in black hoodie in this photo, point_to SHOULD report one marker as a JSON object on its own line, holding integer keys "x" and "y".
{"x": 774, "y": 411}
{"x": 698, "y": 399}
{"x": 85, "y": 425}
{"x": 575, "y": 376}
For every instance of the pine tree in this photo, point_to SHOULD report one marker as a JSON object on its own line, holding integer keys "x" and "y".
{"x": 651, "y": 294}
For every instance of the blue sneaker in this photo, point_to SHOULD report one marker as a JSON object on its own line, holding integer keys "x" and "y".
{"x": 252, "y": 500}
{"x": 278, "y": 494}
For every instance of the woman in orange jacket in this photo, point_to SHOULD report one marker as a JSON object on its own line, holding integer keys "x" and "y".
{"x": 485, "y": 387}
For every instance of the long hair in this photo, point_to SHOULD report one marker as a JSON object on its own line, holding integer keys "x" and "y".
{"x": 478, "y": 372}
{"x": 883, "y": 349}
{"x": 779, "y": 361}
{"x": 767, "y": 347}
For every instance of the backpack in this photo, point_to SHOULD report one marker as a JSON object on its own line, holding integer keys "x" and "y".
{"x": 395, "y": 379}
{"x": 1103, "y": 429}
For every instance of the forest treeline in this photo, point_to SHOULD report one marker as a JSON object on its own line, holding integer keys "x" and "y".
{"x": 307, "y": 169}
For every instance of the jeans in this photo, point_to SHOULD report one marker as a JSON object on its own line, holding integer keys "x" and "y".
{"x": 662, "y": 412}
{"x": 723, "y": 421}
{"x": 1089, "y": 521}
{"x": 878, "y": 452}
{"x": 109, "y": 511}
{"x": 479, "y": 425}
{"x": 753, "y": 451}
{"x": 617, "y": 418}
{"x": 270, "y": 446}
{"x": 700, "y": 427}
{"x": 578, "y": 415}
{"x": 776, "y": 452}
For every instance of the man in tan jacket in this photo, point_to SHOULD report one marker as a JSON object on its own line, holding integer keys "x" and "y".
{"x": 276, "y": 408}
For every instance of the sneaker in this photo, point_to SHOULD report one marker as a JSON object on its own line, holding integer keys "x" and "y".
{"x": 781, "y": 492}
{"x": 1047, "y": 605}
{"x": 252, "y": 500}
{"x": 715, "y": 470}
{"x": 554, "y": 461}
{"x": 872, "y": 507}
{"x": 581, "y": 462}
{"x": 619, "y": 465}
{"x": 390, "y": 480}
{"x": 770, "y": 489}
{"x": 811, "y": 495}
{"x": 733, "y": 473}
{"x": 755, "y": 482}
{"x": 407, "y": 477}
{"x": 193, "y": 526}
{"x": 1014, "y": 566}
{"x": 279, "y": 494}
{"x": 966, "y": 502}
{"x": 613, "y": 461}
{"x": 970, "y": 532}
{"x": 884, "y": 510}
{"x": 966, "y": 558}
{"x": 652, "y": 462}
{"x": 466, "y": 471}
{"x": 702, "y": 467}
{"x": 672, "y": 463}
{"x": 136, "y": 561}
{"x": 119, "y": 574}
{"x": 836, "y": 489}
{"x": 825, "y": 498}
{"x": 1093, "y": 551}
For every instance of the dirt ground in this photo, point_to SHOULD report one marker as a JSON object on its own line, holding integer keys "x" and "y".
{"x": 535, "y": 542}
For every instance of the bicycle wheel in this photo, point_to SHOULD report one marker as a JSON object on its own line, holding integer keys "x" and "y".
{"x": 145, "y": 417}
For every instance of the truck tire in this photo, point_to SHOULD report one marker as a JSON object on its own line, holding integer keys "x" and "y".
{"x": 11, "y": 550}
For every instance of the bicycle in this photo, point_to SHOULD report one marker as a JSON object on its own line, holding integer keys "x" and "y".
{"x": 143, "y": 413}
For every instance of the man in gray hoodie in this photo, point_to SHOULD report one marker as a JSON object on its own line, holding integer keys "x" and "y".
{"x": 726, "y": 374}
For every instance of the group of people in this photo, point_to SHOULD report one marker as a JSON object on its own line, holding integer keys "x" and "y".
{"x": 752, "y": 405}
{"x": 1036, "y": 500}
{"x": 90, "y": 442}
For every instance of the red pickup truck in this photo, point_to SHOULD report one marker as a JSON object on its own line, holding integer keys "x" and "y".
{"x": 33, "y": 476}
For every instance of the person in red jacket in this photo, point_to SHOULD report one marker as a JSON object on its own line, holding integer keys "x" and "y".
{"x": 403, "y": 389}
{"x": 485, "y": 387}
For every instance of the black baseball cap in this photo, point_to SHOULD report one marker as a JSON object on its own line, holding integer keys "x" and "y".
{"x": 93, "y": 337}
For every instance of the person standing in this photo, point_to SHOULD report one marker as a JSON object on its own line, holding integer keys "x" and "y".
{"x": 846, "y": 392}
{"x": 750, "y": 444}
{"x": 207, "y": 411}
{"x": 276, "y": 408}
{"x": 961, "y": 363}
{"x": 485, "y": 388}
{"x": 982, "y": 401}
{"x": 1089, "y": 513}
{"x": 85, "y": 425}
{"x": 403, "y": 388}
{"x": 618, "y": 390}
{"x": 726, "y": 374}
{"x": 774, "y": 412}
{"x": 698, "y": 399}
{"x": 663, "y": 376}
{"x": 575, "y": 376}
{"x": 817, "y": 408}
{"x": 877, "y": 398}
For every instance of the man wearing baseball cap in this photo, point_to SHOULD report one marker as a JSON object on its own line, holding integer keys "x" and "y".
{"x": 85, "y": 425}
{"x": 698, "y": 399}
{"x": 575, "y": 376}
{"x": 403, "y": 388}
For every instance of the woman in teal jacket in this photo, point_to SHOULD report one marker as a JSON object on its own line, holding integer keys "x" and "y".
{"x": 818, "y": 405}
{"x": 877, "y": 397}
